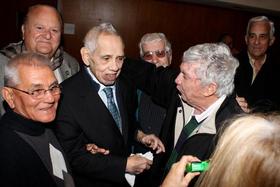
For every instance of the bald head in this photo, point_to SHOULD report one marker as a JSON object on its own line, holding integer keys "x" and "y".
{"x": 41, "y": 30}
{"x": 34, "y": 10}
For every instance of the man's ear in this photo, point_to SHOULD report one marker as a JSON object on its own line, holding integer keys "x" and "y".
{"x": 85, "y": 53}
{"x": 271, "y": 42}
{"x": 246, "y": 40}
{"x": 22, "y": 31}
{"x": 210, "y": 89}
{"x": 8, "y": 96}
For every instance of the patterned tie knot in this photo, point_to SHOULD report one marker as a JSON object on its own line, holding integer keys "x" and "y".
{"x": 108, "y": 92}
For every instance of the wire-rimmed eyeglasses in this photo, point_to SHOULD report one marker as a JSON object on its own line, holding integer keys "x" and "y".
{"x": 40, "y": 93}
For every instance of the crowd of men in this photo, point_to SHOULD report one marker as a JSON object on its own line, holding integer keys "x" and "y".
{"x": 66, "y": 123}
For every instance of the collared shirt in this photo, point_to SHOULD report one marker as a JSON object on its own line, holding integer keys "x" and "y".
{"x": 255, "y": 70}
{"x": 207, "y": 125}
{"x": 101, "y": 93}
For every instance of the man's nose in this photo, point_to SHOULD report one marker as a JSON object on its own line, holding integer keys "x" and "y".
{"x": 49, "y": 96}
{"x": 155, "y": 59}
{"x": 257, "y": 40}
{"x": 47, "y": 34}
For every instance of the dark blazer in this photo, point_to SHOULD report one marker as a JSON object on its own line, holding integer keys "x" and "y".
{"x": 150, "y": 117}
{"x": 160, "y": 84}
{"x": 83, "y": 118}
{"x": 263, "y": 94}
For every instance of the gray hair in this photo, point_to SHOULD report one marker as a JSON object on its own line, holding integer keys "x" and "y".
{"x": 149, "y": 37}
{"x": 261, "y": 19}
{"x": 216, "y": 65}
{"x": 11, "y": 75}
{"x": 90, "y": 40}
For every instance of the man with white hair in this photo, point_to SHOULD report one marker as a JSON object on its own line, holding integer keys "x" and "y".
{"x": 259, "y": 68}
{"x": 156, "y": 49}
{"x": 198, "y": 100}
{"x": 98, "y": 106}
{"x": 30, "y": 153}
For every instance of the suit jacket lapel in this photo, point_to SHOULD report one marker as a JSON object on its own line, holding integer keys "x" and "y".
{"x": 95, "y": 104}
{"x": 123, "y": 113}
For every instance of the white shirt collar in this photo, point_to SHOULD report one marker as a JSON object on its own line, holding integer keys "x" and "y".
{"x": 210, "y": 109}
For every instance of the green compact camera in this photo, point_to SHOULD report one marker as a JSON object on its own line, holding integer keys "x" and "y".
{"x": 197, "y": 166}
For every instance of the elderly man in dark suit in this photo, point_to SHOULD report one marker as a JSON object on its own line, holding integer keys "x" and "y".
{"x": 98, "y": 106}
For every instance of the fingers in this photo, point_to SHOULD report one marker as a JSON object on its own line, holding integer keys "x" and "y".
{"x": 137, "y": 164}
{"x": 160, "y": 148}
{"x": 243, "y": 104}
{"x": 176, "y": 176}
{"x": 153, "y": 142}
{"x": 94, "y": 149}
{"x": 189, "y": 176}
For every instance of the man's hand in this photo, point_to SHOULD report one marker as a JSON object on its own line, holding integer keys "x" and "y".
{"x": 151, "y": 141}
{"x": 137, "y": 164}
{"x": 176, "y": 176}
{"x": 243, "y": 104}
{"x": 94, "y": 149}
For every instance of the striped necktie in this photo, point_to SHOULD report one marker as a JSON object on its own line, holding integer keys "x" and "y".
{"x": 112, "y": 106}
{"x": 185, "y": 133}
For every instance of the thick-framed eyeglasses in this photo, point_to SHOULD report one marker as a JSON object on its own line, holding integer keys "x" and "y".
{"x": 159, "y": 53}
{"x": 40, "y": 93}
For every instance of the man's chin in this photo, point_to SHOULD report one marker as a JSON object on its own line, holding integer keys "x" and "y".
{"x": 45, "y": 52}
{"x": 46, "y": 118}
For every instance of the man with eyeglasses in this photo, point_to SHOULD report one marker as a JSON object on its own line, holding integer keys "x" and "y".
{"x": 156, "y": 49}
{"x": 30, "y": 153}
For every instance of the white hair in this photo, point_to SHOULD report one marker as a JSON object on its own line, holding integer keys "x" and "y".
{"x": 11, "y": 75}
{"x": 149, "y": 37}
{"x": 216, "y": 65}
{"x": 90, "y": 40}
{"x": 261, "y": 19}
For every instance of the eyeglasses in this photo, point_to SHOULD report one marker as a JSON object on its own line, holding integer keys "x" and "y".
{"x": 40, "y": 93}
{"x": 159, "y": 53}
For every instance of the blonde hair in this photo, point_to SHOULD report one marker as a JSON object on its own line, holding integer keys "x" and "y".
{"x": 247, "y": 154}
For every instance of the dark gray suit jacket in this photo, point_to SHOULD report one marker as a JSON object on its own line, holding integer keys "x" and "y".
{"x": 83, "y": 118}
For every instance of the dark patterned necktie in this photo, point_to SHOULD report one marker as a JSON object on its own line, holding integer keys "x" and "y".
{"x": 112, "y": 106}
{"x": 185, "y": 133}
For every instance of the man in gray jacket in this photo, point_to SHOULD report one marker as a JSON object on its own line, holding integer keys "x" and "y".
{"x": 41, "y": 33}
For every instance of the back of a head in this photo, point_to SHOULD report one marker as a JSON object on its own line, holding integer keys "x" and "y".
{"x": 11, "y": 74}
{"x": 247, "y": 154}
